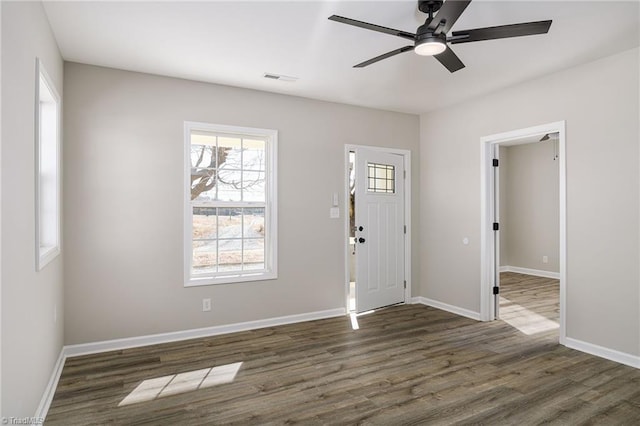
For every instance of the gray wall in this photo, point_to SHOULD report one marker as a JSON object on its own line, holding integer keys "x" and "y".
{"x": 529, "y": 206}
{"x": 31, "y": 339}
{"x": 123, "y": 201}
{"x": 599, "y": 102}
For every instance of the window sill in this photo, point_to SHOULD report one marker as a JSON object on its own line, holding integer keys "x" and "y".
{"x": 230, "y": 279}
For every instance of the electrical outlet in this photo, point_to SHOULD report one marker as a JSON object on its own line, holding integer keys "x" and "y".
{"x": 206, "y": 305}
{"x": 545, "y": 259}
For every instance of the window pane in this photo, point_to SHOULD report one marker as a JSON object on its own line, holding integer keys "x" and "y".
{"x": 204, "y": 223}
{"x": 48, "y": 189}
{"x": 253, "y": 223}
{"x": 253, "y": 255}
{"x": 230, "y": 142}
{"x": 229, "y": 223}
{"x": 199, "y": 137}
{"x": 203, "y": 186}
{"x": 381, "y": 178}
{"x": 253, "y": 266}
{"x": 253, "y": 155}
{"x": 229, "y": 185}
{"x": 47, "y": 168}
{"x": 204, "y": 257}
{"x": 229, "y": 153}
{"x": 230, "y": 255}
{"x": 253, "y": 184}
{"x": 203, "y": 156}
{"x": 230, "y": 248}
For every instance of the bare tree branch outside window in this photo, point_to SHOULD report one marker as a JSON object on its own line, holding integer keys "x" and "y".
{"x": 204, "y": 176}
{"x": 220, "y": 165}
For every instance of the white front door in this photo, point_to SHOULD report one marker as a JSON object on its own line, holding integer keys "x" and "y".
{"x": 379, "y": 235}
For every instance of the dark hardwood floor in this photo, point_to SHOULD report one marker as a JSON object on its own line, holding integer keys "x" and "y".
{"x": 407, "y": 364}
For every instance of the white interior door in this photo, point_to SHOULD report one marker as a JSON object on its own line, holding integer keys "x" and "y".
{"x": 379, "y": 222}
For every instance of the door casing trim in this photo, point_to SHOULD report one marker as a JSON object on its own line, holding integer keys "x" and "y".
{"x": 406, "y": 156}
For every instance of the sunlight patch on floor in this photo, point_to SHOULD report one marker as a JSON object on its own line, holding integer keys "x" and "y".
{"x": 526, "y": 321}
{"x": 354, "y": 321}
{"x": 174, "y": 384}
{"x": 354, "y": 318}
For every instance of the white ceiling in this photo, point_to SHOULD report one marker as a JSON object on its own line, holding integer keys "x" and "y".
{"x": 235, "y": 43}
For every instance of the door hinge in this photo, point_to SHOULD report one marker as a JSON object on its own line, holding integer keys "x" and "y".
{"x": 405, "y": 283}
{"x": 404, "y": 174}
{"x": 496, "y": 290}
{"x": 495, "y": 162}
{"x": 496, "y": 226}
{"x": 405, "y": 229}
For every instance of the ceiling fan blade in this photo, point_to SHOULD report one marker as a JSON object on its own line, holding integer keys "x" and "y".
{"x": 372, "y": 27}
{"x": 449, "y": 13}
{"x": 385, "y": 56}
{"x": 502, "y": 31}
{"x": 450, "y": 60}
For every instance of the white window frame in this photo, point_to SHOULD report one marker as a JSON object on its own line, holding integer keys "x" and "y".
{"x": 271, "y": 207}
{"x": 46, "y": 252}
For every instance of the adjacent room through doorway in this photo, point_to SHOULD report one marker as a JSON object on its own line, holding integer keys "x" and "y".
{"x": 523, "y": 236}
{"x": 529, "y": 235}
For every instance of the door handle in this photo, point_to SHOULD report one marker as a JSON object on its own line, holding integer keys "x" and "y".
{"x": 361, "y": 240}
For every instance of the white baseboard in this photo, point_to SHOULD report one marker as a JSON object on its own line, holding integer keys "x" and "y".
{"x": 446, "y": 307}
{"x": 154, "y": 339}
{"x": 602, "y": 352}
{"x": 534, "y": 272}
{"x": 50, "y": 390}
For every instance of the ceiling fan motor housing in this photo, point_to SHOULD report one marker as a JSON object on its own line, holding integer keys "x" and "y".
{"x": 425, "y": 36}
{"x": 424, "y": 33}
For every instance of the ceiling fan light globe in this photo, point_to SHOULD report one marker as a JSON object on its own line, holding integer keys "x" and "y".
{"x": 430, "y": 48}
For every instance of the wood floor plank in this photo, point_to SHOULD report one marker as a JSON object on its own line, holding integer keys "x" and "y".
{"x": 407, "y": 364}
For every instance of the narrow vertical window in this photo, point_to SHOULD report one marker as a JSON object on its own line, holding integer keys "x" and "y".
{"x": 230, "y": 204}
{"x": 47, "y": 148}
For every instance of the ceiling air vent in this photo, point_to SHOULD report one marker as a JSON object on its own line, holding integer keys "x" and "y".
{"x": 280, "y": 77}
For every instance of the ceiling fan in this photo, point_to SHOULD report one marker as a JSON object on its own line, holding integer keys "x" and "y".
{"x": 431, "y": 37}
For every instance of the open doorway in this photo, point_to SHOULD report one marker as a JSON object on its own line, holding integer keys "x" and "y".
{"x": 524, "y": 229}
{"x": 529, "y": 211}
{"x": 377, "y": 226}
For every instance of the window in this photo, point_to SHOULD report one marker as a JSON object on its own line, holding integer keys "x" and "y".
{"x": 381, "y": 178}
{"x": 230, "y": 204}
{"x": 47, "y": 166}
